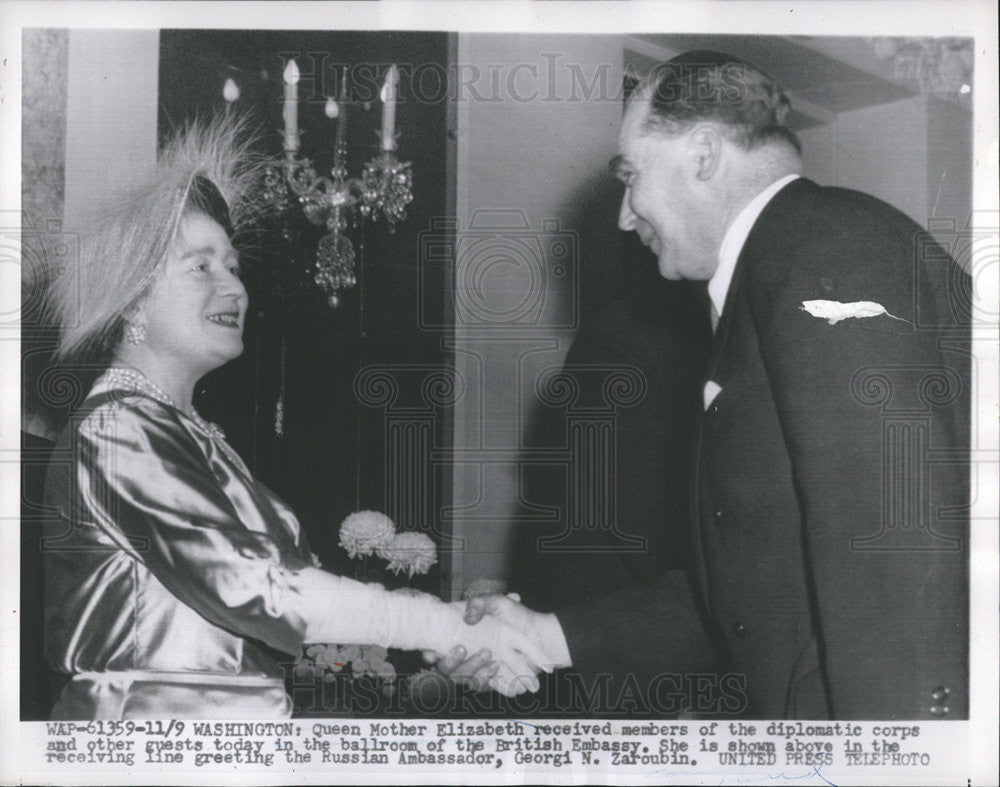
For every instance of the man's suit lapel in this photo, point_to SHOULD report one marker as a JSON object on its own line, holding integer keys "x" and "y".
{"x": 755, "y": 244}
{"x": 716, "y": 372}
{"x": 723, "y": 365}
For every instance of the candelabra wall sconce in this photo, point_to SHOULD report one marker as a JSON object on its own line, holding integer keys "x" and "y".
{"x": 383, "y": 190}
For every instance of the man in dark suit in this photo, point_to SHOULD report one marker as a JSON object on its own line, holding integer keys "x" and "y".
{"x": 830, "y": 508}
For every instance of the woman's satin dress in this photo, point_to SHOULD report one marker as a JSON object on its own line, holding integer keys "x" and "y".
{"x": 171, "y": 574}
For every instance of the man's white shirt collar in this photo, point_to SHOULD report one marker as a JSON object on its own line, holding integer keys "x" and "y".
{"x": 736, "y": 236}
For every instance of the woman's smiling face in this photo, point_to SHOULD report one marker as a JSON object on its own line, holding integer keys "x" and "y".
{"x": 194, "y": 310}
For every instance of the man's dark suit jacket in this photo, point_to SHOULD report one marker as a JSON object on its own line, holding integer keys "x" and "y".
{"x": 623, "y": 498}
{"x": 661, "y": 346}
{"x": 831, "y": 492}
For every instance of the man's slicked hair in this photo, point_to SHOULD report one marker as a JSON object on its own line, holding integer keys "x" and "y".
{"x": 707, "y": 85}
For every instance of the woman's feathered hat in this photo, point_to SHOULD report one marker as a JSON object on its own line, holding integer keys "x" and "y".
{"x": 207, "y": 166}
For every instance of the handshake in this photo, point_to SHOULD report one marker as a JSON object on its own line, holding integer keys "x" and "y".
{"x": 502, "y": 644}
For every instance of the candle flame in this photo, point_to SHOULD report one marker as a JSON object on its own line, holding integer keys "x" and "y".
{"x": 230, "y": 91}
{"x": 331, "y": 109}
{"x": 291, "y": 75}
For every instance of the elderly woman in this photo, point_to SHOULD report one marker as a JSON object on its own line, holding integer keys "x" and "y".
{"x": 173, "y": 575}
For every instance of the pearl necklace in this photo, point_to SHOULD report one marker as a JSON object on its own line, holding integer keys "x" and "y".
{"x": 120, "y": 377}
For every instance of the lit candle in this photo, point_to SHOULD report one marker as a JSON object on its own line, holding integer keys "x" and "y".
{"x": 389, "y": 91}
{"x": 340, "y": 141}
{"x": 291, "y": 109}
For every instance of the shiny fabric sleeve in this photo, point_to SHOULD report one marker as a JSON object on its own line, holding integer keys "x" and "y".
{"x": 226, "y": 548}
{"x": 143, "y": 480}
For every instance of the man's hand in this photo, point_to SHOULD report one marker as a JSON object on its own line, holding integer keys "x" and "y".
{"x": 549, "y": 649}
{"x": 473, "y": 673}
{"x": 542, "y": 629}
{"x": 517, "y": 657}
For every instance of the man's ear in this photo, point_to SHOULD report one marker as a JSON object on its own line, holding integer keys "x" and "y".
{"x": 705, "y": 141}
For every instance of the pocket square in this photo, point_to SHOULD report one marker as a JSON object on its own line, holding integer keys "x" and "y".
{"x": 835, "y": 311}
{"x": 711, "y": 390}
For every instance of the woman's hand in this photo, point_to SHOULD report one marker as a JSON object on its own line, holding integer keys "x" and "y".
{"x": 517, "y": 658}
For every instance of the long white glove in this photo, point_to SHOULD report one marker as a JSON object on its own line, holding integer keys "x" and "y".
{"x": 338, "y": 609}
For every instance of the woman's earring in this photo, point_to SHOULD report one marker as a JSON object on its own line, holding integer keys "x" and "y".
{"x": 135, "y": 333}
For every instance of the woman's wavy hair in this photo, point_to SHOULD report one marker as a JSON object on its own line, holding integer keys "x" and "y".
{"x": 208, "y": 167}
{"x": 707, "y": 85}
